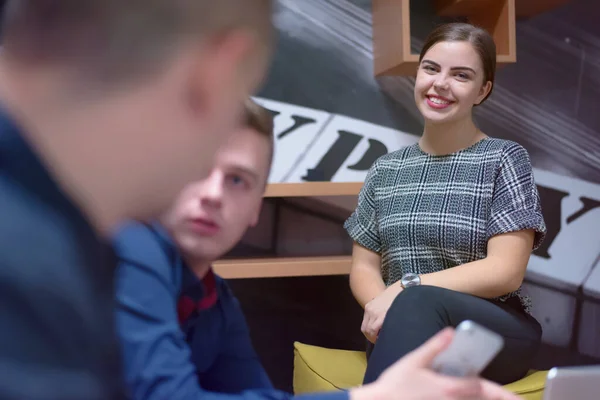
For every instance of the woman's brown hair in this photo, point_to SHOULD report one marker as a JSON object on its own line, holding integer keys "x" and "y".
{"x": 480, "y": 39}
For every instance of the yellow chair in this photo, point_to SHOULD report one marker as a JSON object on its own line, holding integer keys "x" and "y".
{"x": 317, "y": 369}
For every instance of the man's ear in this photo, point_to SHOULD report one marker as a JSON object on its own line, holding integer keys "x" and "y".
{"x": 256, "y": 217}
{"x": 484, "y": 91}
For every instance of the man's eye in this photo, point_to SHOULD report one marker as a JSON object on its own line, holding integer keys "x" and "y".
{"x": 237, "y": 180}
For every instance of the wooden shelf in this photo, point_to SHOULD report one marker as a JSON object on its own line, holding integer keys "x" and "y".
{"x": 275, "y": 266}
{"x": 392, "y": 30}
{"x": 313, "y": 189}
{"x": 460, "y": 8}
{"x": 496, "y": 16}
{"x": 283, "y": 267}
{"x": 391, "y": 38}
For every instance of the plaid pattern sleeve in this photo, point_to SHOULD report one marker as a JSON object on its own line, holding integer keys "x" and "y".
{"x": 516, "y": 202}
{"x": 362, "y": 225}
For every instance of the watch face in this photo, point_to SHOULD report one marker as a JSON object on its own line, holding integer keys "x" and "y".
{"x": 411, "y": 279}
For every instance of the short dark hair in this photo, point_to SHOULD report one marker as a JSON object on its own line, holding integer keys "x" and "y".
{"x": 480, "y": 39}
{"x": 260, "y": 120}
{"x": 117, "y": 40}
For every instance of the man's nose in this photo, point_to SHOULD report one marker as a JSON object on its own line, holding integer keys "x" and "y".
{"x": 213, "y": 191}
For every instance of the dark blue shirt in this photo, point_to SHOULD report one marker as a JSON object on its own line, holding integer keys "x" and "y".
{"x": 203, "y": 355}
{"x": 57, "y": 338}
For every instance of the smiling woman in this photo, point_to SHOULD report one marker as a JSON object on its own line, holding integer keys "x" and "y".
{"x": 479, "y": 40}
{"x": 444, "y": 228}
{"x": 457, "y": 67}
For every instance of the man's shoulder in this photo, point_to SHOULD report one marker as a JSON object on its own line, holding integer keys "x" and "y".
{"x": 225, "y": 294}
{"x": 131, "y": 232}
{"x": 55, "y": 274}
{"x": 141, "y": 245}
{"x": 133, "y": 239}
{"x": 220, "y": 282}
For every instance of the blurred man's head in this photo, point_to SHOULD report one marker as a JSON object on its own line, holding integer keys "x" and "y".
{"x": 211, "y": 215}
{"x": 146, "y": 90}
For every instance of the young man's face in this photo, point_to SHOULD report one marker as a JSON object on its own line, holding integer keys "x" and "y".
{"x": 210, "y": 216}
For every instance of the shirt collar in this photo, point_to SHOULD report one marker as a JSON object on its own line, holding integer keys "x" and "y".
{"x": 189, "y": 278}
{"x": 195, "y": 294}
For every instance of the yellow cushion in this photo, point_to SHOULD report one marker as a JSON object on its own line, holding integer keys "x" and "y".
{"x": 317, "y": 369}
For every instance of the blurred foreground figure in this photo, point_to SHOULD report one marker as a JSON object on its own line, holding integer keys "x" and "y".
{"x": 107, "y": 109}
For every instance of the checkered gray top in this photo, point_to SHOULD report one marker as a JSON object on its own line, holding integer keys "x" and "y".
{"x": 426, "y": 213}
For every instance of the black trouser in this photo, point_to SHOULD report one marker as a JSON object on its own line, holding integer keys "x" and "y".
{"x": 420, "y": 312}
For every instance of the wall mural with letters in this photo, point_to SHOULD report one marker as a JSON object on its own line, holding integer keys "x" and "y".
{"x": 333, "y": 119}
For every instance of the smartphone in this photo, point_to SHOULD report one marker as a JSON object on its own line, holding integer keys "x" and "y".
{"x": 472, "y": 349}
{"x": 573, "y": 383}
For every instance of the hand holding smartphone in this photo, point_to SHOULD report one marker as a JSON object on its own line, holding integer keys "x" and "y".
{"x": 472, "y": 349}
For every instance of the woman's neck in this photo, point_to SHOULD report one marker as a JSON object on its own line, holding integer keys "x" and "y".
{"x": 448, "y": 138}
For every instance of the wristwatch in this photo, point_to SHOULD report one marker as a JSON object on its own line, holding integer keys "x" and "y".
{"x": 409, "y": 280}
